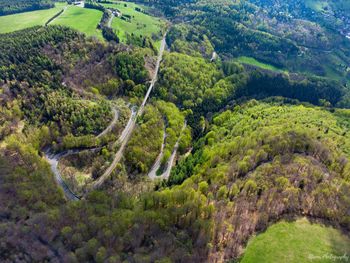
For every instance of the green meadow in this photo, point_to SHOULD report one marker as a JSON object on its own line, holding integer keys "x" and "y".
{"x": 256, "y": 63}
{"x": 82, "y": 19}
{"x": 139, "y": 24}
{"x": 297, "y": 242}
{"x": 20, "y": 21}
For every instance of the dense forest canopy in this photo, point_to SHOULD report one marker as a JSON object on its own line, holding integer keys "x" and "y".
{"x": 114, "y": 150}
{"x": 8, "y": 7}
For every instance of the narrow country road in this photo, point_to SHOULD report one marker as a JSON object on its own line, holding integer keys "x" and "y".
{"x": 111, "y": 125}
{"x": 170, "y": 163}
{"x": 53, "y": 160}
{"x": 110, "y": 20}
{"x": 130, "y": 127}
{"x": 153, "y": 172}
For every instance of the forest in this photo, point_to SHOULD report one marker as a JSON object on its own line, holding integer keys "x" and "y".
{"x": 237, "y": 131}
{"x": 8, "y": 7}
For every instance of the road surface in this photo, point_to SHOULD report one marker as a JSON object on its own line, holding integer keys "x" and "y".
{"x": 110, "y": 20}
{"x": 170, "y": 163}
{"x": 111, "y": 125}
{"x": 131, "y": 126}
{"x": 153, "y": 172}
{"x": 53, "y": 160}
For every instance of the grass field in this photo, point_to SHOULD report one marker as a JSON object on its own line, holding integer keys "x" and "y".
{"x": 20, "y": 21}
{"x": 140, "y": 24}
{"x": 254, "y": 62}
{"x": 297, "y": 242}
{"x": 82, "y": 19}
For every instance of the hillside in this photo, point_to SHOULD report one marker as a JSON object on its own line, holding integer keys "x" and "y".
{"x": 175, "y": 131}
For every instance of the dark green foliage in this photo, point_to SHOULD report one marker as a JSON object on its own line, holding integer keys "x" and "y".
{"x": 144, "y": 145}
{"x": 109, "y": 34}
{"x": 130, "y": 67}
{"x": 310, "y": 89}
{"x": 8, "y": 7}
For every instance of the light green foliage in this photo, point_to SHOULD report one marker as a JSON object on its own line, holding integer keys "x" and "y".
{"x": 190, "y": 81}
{"x": 174, "y": 123}
{"x": 185, "y": 39}
{"x": 145, "y": 143}
{"x": 203, "y": 187}
{"x": 297, "y": 242}
{"x": 254, "y": 62}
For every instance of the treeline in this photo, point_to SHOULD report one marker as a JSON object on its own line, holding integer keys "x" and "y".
{"x": 263, "y": 32}
{"x": 315, "y": 90}
{"x": 268, "y": 160}
{"x": 36, "y": 69}
{"x": 194, "y": 83}
{"x": 8, "y": 7}
{"x": 108, "y": 33}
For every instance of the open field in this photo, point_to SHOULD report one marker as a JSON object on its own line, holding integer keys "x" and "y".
{"x": 297, "y": 242}
{"x": 82, "y": 19}
{"x": 20, "y": 21}
{"x": 139, "y": 24}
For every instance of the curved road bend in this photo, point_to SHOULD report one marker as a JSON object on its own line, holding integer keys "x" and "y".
{"x": 130, "y": 128}
{"x": 153, "y": 172}
{"x": 53, "y": 160}
{"x": 171, "y": 160}
{"x": 111, "y": 125}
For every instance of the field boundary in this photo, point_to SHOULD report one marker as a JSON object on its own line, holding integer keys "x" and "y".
{"x": 55, "y": 16}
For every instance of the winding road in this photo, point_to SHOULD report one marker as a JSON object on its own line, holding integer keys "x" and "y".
{"x": 170, "y": 163}
{"x": 53, "y": 159}
{"x": 152, "y": 174}
{"x": 111, "y": 125}
{"x": 131, "y": 126}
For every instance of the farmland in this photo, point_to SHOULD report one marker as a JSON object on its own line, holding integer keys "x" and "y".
{"x": 20, "y": 21}
{"x": 140, "y": 24}
{"x": 81, "y": 19}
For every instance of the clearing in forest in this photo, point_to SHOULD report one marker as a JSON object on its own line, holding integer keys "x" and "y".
{"x": 299, "y": 241}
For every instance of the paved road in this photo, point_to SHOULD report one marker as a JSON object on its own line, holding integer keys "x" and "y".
{"x": 111, "y": 125}
{"x": 53, "y": 160}
{"x": 153, "y": 172}
{"x": 170, "y": 163}
{"x": 131, "y": 126}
